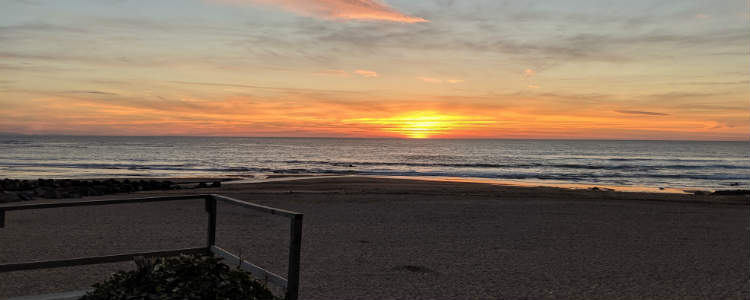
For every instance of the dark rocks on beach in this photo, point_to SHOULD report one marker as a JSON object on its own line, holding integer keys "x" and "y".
{"x": 13, "y": 190}
{"x": 6, "y": 197}
{"x": 731, "y": 192}
{"x": 25, "y": 196}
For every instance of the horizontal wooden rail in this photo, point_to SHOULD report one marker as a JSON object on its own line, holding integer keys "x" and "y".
{"x": 233, "y": 260}
{"x": 9, "y": 207}
{"x": 48, "y": 264}
{"x": 266, "y": 209}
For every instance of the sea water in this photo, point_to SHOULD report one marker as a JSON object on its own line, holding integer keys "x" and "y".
{"x": 670, "y": 164}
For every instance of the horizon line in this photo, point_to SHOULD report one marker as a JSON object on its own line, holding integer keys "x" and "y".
{"x": 382, "y": 138}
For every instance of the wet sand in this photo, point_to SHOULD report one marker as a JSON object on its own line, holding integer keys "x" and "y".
{"x": 367, "y": 238}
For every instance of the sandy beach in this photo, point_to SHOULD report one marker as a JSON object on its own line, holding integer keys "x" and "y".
{"x": 366, "y": 238}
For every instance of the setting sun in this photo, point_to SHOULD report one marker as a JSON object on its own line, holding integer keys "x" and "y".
{"x": 424, "y": 124}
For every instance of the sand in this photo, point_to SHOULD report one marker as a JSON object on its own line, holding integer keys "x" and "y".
{"x": 367, "y": 238}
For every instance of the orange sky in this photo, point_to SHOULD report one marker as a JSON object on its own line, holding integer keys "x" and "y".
{"x": 413, "y": 69}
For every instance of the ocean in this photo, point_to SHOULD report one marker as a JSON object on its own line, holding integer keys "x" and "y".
{"x": 655, "y": 164}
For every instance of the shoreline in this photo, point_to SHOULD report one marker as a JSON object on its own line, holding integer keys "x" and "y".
{"x": 274, "y": 177}
{"x": 62, "y": 189}
{"x": 258, "y": 178}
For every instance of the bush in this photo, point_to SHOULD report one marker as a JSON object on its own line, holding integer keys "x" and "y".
{"x": 183, "y": 277}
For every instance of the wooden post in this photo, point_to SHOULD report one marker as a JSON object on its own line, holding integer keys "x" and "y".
{"x": 295, "y": 246}
{"x": 211, "y": 209}
{"x": 2, "y": 218}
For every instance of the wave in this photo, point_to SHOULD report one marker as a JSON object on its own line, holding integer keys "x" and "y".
{"x": 15, "y": 142}
{"x": 516, "y": 165}
{"x": 136, "y": 167}
{"x": 520, "y": 176}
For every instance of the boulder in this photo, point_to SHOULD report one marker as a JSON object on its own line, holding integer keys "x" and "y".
{"x": 51, "y": 193}
{"x": 731, "y": 192}
{"x": 25, "y": 196}
{"x": 6, "y": 197}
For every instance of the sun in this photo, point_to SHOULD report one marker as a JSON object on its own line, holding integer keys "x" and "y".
{"x": 424, "y": 124}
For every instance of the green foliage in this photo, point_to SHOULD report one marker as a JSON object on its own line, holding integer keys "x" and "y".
{"x": 183, "y": 277}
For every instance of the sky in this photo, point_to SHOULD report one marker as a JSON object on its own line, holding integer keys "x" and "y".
{"x": 673, "y": 69}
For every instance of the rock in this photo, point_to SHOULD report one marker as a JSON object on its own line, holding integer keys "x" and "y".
{"x": 216, "y": 184}
{"x": 11, "y": 185}
{"x": 731, "y": 192}
{"x": 92, "y": 192}
{"x": 6, "y": 197}
{"x": 27, "y": 185}
{"x": 201, "y": 185}
{"x": 51, "y": 193}
{"x": 700, "y": 193}
{"x": 25, "y": 196}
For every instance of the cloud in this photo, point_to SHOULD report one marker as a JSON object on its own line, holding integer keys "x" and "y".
{"x": 93, "y": 92}
{"x": 333, "y": 73}
{"x": 640, "y": 112}
{"x": 373, "y": 10}
{"x": 529, "y": 73}
{"x": 533, "y": 86}
{"x": 334, "y": 114}
{"x": 430, "y": 79}
{"x": 366, "y": 73}
{"x": 439, "y": 80}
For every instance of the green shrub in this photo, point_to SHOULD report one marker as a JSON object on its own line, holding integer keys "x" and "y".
{"x": 183, "y": 277}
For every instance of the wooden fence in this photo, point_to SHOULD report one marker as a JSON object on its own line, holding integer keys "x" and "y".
{"x": 290, "y": 284}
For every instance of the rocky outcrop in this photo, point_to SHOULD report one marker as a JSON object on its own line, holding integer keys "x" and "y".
{"x": 12, "y": 190}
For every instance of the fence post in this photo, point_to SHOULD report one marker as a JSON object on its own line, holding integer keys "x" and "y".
{"x": 2, "y": 218}
{"x": 211, "y": 209}
{"x": 295, "y": 246}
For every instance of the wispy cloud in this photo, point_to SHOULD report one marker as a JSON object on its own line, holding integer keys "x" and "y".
{"x": 640, "y": 112}
{"x": 366, "y": 73}
{"x": 340, "y": 9}
{"x": 440, "y": 80}
{"x": 333, "y": 73}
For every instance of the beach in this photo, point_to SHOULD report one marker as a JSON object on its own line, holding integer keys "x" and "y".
{"x": 366, "y": 238}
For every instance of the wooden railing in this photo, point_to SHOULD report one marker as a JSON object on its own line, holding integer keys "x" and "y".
{"x": 290, "y": 284}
